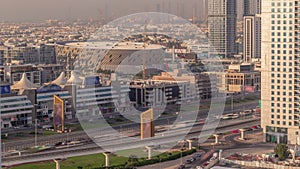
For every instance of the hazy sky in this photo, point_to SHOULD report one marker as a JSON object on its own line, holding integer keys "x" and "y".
{"x": 38, "y": 10}
{"x": 35, "y": 10}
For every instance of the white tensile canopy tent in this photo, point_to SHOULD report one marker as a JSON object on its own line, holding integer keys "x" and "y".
{"x": 24, "y": 83}
{"x": 60, "y": 81}
{"x": 74, "y": 79}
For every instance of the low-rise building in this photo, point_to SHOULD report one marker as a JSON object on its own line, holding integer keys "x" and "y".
{"x": 43, "y": 54}
{"x": 201, "y": 85}
{"x": 15, "y": 72}
{"x": 158, "y": 92}
{"x": 238, "y": 78}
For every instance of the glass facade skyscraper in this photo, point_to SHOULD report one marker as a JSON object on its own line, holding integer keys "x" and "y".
{"x": 222, "y": 17}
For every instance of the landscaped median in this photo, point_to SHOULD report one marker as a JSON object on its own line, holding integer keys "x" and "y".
{"x": 97, "y": 161}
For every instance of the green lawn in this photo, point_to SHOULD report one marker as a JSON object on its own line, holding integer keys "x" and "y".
{"x": 98, "y": 160}
{"x": 90, "y": 161}
{"x": 48, "y": 133}
{"x": 139, "y": 152}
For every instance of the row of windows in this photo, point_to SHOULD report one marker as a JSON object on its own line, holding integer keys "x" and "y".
{"x": 279, "y": 110}
{"x": 283, "y": 117}
{"x": 283, "y": 52}
{"x": 283, "y": 99}
{"x": 279, "y": 105}
{"x": 283, "y": 57}
{"x": 283, "y": 10}
{"x": 283, "y": 28}
{"x": 284, "y": 70}
{"x": 283, "y": 123}
{"x": 284, "y": 40}
{"x": 283, "y": 87}
{"x": 283, "y": 16}
{"x": 284, "y": 64}
{"x": 283, "y": 81}
{"x": 284, "y": 34}
{"x": 284, "y": 75}
{"x": 284, "y": 22}
{"x": 283, "y": 4}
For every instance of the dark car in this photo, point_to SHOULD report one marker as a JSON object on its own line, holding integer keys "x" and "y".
{"x": 198, "y": 155}
{"x": 58, "y": 143}
{"x": 248, "y": 129}
{"x": 188, "y": 161}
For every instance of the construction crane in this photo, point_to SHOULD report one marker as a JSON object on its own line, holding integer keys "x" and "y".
{"x": 144, "y": 46}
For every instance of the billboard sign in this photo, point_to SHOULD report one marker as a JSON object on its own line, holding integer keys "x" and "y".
{"x": 92, "y": 81}
{"x": 58, "y": 114}
{"x": 49, "y": 88}
{"x": 147, "y": 124}
{"x": 249, "y": 89}
{"x": 5, "y": 89}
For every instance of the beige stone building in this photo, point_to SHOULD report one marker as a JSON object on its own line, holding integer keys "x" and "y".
{"x": 238, "y": 78}
{"x": 280, "y": 71}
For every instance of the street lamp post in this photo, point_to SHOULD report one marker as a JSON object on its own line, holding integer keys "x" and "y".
{"x": 35, "y": 137}
{"x": 232, "y": 103}
{"x": 67, "y": 140}
{"x": 160, "y": 163}
{"x": 181, "y": 152}
{"x": 181, "y": 156}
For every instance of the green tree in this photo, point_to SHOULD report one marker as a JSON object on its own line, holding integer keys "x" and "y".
{"x": 282, "y": 151}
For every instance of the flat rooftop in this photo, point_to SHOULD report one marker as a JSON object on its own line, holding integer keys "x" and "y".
{"x": 110, "y": 45}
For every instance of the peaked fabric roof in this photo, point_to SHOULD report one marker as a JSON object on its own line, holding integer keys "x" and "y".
{"x": 61, "y": 80}
{"x": 74, "y": 79}
{"x": 24, "y": 83}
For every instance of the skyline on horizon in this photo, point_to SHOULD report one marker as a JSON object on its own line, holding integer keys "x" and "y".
{"x": 37, "y": 11}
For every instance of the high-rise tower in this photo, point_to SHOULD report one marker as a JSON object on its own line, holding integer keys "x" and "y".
{"x": 222, "y": 18}
{"x": 252, "y": 7}
{"x": 252, "y": 30}
{"x": 280, "y": 71}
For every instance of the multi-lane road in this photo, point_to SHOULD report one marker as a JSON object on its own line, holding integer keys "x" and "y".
{"x": 115, "y": 144}
{"x": 119, "y": 142}
{"x": 81, "y": 135}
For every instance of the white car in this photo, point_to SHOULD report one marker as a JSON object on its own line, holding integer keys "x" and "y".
{"x": 230, "y": 116}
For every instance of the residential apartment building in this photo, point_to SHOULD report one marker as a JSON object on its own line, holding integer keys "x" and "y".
{"x": 43, "y": 54}
{"x": 158, "y": 92}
